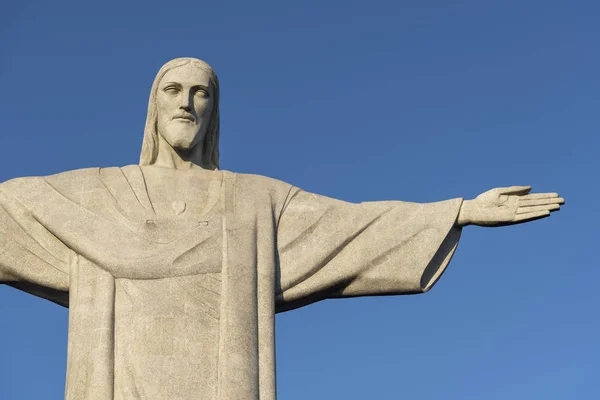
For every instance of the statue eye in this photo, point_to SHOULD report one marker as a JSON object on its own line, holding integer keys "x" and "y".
{"x": 171, "y": 90}
{"x": 201, "y": 93}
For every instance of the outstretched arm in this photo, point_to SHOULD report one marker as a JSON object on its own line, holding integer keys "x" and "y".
{"x": 329, "y": 248}
{"x": 32, "y": 259}
{"x": 508, "y": 206}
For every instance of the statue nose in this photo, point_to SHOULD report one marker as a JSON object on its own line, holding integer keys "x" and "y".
{"x": 186, "y": 102}
{"x": 185, "y": 106}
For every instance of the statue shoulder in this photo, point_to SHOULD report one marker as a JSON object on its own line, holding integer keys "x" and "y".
{"x": 59, "y": 179}
{"x": 260, "y": 187}
{"x": 68, "y": 183}
{"x": 74, "y": 180}
{"x": 260, "y": 182}
{"x": 31, "y": 190}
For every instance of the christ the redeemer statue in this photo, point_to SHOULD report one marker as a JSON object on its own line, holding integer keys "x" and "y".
{"x": 173, "y": 269}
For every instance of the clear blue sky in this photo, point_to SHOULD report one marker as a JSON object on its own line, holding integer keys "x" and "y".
{"x": 378, "y": 100}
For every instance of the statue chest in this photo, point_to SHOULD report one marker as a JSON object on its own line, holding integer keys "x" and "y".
{"x": 139, "y": 230}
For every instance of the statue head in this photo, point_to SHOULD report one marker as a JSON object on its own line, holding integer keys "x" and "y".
{"x": 183, "y": 110}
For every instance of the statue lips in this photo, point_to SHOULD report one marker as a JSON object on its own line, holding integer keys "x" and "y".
{"x": 185, "y": 117}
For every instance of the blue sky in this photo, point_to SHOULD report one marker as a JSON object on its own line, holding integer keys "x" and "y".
{"x": 416, "y": 101}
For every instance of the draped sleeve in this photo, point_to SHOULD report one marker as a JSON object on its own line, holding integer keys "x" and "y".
{"x": 329, "y": 248}
{"x": 32, "y": 259}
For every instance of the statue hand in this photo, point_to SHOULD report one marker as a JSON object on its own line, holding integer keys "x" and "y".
{"x": 508, "y": 206}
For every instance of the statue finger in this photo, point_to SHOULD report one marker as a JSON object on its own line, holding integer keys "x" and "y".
{"x": 547, "y": 207}
{"x": 531, "y": 216}
{"x": 536, "y": 196}
{"x": 515, "y": 190}
{"x": 541, "y": 202}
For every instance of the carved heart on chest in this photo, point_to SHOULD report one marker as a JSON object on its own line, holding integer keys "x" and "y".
{"x": 178, "y": 206}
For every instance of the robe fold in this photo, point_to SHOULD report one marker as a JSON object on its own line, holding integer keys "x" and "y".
{"x": 183, "y": 306}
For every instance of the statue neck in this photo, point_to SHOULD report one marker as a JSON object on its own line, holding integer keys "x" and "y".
{"x": 168, "y": 157}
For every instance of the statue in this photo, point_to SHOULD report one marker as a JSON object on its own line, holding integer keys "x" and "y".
{"x": 173, "y": 269}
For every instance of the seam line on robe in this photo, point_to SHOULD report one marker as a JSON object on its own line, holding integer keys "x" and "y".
{"x": 146, "y": 189}
{"x": 132, "y": 189}
{"x": 227, "y": 208}
{"x": 284, "y": 206}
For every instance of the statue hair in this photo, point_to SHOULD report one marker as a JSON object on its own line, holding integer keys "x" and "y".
{"x": 210, "y": 148}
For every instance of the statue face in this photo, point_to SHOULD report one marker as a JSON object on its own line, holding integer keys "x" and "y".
{"x": 184, "y": 103}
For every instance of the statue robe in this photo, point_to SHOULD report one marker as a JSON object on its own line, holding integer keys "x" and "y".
{"x": 200, "y": 292}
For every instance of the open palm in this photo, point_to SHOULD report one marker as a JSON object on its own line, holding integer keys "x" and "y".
{"x": 508, "y": 206}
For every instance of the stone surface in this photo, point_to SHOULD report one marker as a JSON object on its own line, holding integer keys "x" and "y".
{"x": 173, "y": 270}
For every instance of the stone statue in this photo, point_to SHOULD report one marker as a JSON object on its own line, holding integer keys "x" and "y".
{"x": 173, "y": 269}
